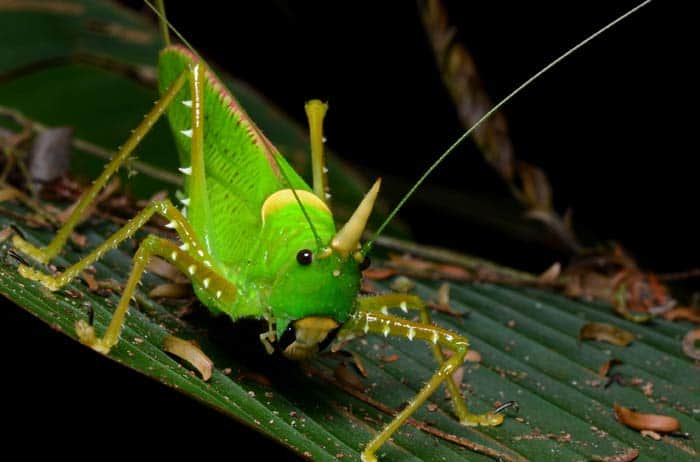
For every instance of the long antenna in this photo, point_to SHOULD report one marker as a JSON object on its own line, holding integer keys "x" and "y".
{"x": 368, "y": 245}
{"x": 165, "y": 24}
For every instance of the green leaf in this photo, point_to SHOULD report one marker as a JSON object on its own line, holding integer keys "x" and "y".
{"x": 527, "y": 339}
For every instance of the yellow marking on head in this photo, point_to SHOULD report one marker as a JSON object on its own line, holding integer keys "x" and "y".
{"x": 283, "y": 197}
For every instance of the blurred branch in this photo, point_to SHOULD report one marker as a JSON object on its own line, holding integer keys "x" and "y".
{"x": 528, "y": 183}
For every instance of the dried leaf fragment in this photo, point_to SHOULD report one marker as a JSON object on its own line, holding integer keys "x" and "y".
{"x": 165, "y": 270}
{"x": 171, "y": 290}
{"x": 5, "y": 233}
{"x": 402, "y": 284}
{"x": 628, "y": 456}
{"x": 391, "y": 358}
{"x": 472, "y": 356}
{"x": 551, "y": 274}
{"x": 650, "y": 434}
{"x": 90, "y": 280}
{"x": 190, "y": 352}
{"x": 684, "y": 313}
{"x": 653, "y": 422}
{"x": 378, "y": 273}
{"x": 689, "y": 344}
{"x": 607, "y": 365}
{"x": 344, "y": 374}
{"x": 605, "y": 333}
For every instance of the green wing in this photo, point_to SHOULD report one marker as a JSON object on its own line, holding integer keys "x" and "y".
{"x": 240, "y": 166}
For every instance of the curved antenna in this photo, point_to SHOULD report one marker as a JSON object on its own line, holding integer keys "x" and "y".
{"x": 317, "y": 238}
{"x": 160, "y": 5}
{"x": 165, "y": 25}
{"x": 368, "y": 245}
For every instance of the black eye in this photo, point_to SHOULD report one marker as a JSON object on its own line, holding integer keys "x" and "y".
{"x": 305, "y": 257}
{"x": 364, "y": 264}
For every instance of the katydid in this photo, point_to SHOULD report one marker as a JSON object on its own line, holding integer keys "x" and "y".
{"x": 255, "y": 240}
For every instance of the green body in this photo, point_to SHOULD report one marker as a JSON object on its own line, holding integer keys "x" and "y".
{"x": 242, "y": 169}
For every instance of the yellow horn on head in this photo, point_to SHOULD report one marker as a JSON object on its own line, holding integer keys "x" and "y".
{"x": 347, "y": 239}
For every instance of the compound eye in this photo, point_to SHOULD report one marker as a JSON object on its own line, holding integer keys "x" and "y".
{"x": 305, "y": 257}
{"x": 364, "y": 264}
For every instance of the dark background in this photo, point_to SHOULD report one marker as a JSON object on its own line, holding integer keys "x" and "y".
{"x": 612, "y": 127}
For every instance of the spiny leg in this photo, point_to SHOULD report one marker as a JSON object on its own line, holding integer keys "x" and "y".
{"x": 381, "y": 303}
{"x": 378, "y": 323}
{"x": 44, "y": 255}
{"x": 165, "y": 208}
{"x": 215, "y": 285}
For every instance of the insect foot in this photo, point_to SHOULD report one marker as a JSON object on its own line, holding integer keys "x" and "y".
{"x": 490, "y": 419}
{"x": 86, "y": 335}
{"x": 46, "y": 280}
{"x": 28, "y": 249}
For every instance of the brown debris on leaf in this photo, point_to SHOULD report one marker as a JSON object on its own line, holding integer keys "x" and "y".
{"x": 612, "y": 276}
{"x": 607, "y": 365}
{"x": 165, "y": 270}
{"x": 653, "y": 422}
{"x": 605, "y": 333}
{"x": 690, "y": 344}
{"x": 419, "y": 268}
{"x": 379, "y": 273}
{"x": 551, "y": 274}
{"x": 345, "y": 375}
{"x": 402, "y": 284}
{"x": 683, "y": 313}
{"x": 172, "y": 290}
{"x": 442, "y": 303}
{"x": 5, "y": 233}
{"x": 89, "y": 278}
{"x": 49, "y": 156}
{"x": 472, "y": 356}
{"x": 190, "y": 352}
{"x": 111, "y": 188}
{"x": 629, "y": 455}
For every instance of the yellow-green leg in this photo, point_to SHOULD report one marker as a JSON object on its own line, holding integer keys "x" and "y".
{"x": 381, "y": 304}
{"x": 191, "y": 258}
{"x": 44, "y": 255}
{"x": 196, "y": 269}
{"x": 379, "y": 323}
{"x": 165, "y": 208}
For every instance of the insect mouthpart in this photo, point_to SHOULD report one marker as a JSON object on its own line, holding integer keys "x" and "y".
{"x": 307, "y": 336}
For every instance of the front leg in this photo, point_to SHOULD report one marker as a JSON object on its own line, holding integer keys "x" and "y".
{"x": 378, "y": 323}
{"x": 382, "y": 303}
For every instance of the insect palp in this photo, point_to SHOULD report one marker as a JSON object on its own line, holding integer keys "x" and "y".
{"x": 305, "y": 257}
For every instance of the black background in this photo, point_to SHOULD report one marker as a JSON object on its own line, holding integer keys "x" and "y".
{"x": 613, "y": 127}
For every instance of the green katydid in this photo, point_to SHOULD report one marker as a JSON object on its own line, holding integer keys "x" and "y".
{"x": 305, "y": 286}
